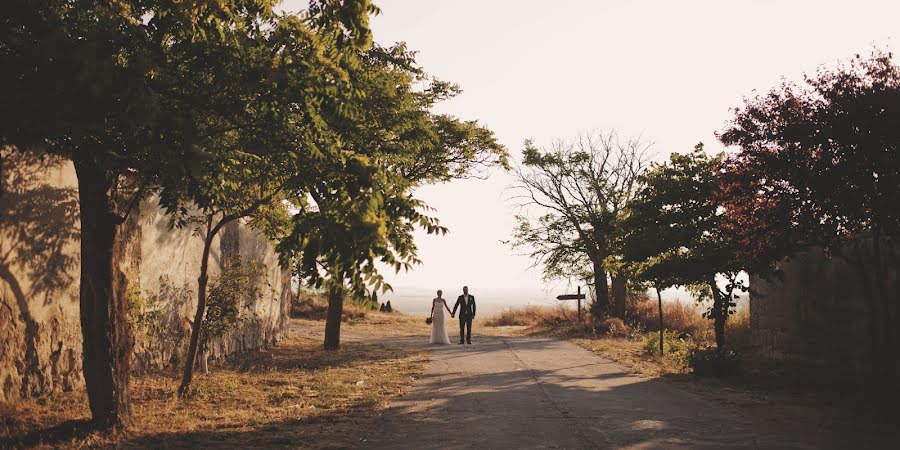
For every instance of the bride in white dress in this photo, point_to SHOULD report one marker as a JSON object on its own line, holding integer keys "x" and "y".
{"x": 438, "y": 329}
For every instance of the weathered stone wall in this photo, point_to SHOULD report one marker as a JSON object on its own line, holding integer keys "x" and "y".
{"x": 818, "y": 310}
{"x": 40, "y": 334}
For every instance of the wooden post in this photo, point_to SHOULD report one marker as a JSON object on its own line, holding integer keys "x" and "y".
{"x": 579, "y": 303}
{"x": 662, "y": 333}
{"x": 578, "y": 297}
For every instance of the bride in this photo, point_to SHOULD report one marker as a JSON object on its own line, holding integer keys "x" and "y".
{"x": 438, "y": 330}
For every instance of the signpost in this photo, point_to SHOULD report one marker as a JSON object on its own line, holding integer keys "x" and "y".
{"x": 579, "y": 296}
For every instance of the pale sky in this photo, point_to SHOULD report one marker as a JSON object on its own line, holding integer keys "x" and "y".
{"x": 668, "y": 71}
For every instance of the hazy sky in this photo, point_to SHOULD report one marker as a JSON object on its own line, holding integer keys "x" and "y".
{"x": 668, "y": 71}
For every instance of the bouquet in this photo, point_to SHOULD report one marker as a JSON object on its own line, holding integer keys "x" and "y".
{"x": 429, "y": 320}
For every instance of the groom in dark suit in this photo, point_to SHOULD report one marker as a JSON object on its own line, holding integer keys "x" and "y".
{"x": 466, "y": 305}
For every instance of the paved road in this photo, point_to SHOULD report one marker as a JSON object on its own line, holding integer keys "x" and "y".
{"x": 528, "y": 393}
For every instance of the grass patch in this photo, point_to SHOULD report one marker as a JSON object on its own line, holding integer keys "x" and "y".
{"x": 313, "y": 305}
{"x": 682, "y": 317}
{"x": 293, "y": 395}
{"x": 530, "y": 316}
{"x": 633, "y": 342}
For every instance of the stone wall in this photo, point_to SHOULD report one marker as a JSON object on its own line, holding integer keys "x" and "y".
{"x": 40, "y": 335}
{"x": 817, "y": 310}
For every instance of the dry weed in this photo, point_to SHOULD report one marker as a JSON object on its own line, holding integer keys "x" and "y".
{"x": 294, "y": 395}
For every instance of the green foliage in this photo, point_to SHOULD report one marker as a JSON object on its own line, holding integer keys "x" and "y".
{"x": 676, "y": 232}
{"x": 177, "y": 99}
{"x": 357, "y": 208}
{"x": 144, "y": 312}
{"x": 674, "y": 222}
{"x": 231, "y": 298}
{"x": 714, "y": 362}
{"x": 393, "y": 122}
{"x": 345, "y": 21}
{"x": 673, "y": 344}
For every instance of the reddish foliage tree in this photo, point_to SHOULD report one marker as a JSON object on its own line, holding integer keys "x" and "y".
{"x": 819, "y": 165}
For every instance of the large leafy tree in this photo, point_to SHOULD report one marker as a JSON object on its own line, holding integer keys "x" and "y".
{"x": 675, "y": 230}
{"x": 278, "y": 83}
{"x": 580, "y": 190}
{"x": 362, "y": 215}
{"x": 115, "y": 87}
{"x": 818, "y": 164}
{"x": 361, "y": 209}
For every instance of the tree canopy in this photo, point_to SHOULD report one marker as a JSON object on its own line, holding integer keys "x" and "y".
{"x": 675, "y": 231}
{"x": 140, "y": 95}
{"x": 818, "y": 165}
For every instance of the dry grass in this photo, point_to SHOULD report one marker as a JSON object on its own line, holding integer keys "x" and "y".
{"x": 314, "y": 306}
{"x": 641, "y": 316}
{"x": 529, "y": 316}
{"x": 629, "y": 352}
{"x": 294, "y": 395}
{"x": 737, "y": 330}
{"x": 621, "y": 340}
{"x": 683, "y": 317}
{"x": 799, "y": 389}
{"x": 610, "y": 337}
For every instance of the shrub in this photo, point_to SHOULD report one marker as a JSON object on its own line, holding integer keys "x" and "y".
{"x": 713, "y": 362}
{"x": 612, "y": 326}
{"x": 673, "y": 343}
{"x": 237, "y": 288}
{"x": 146, "y": 317}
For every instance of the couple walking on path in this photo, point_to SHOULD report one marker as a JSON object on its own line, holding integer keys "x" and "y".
{"x": 466, "y": 305}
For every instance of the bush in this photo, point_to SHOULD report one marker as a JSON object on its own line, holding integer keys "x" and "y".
{"x": 236, "y": 289}
{"x": 612, "y": 326}
{"x": 673, "y": 343}
{"x": 713, "y": 362}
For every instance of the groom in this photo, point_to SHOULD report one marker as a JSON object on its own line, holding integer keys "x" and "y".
{"x": 466, "y": 305}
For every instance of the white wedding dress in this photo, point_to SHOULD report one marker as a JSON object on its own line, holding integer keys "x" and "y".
{"x": 438, "y": 328}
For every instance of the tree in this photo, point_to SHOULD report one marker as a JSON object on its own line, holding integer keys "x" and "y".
{"x": 361, "y": 208}
{"x": 274, "y": 85}
{"x": 818, "y": 164}
{"x": 345, "y": 227}
{"x": 110, "y": 86}
{"x": 675, "y": 228}
{"x": 581, "y": 189}
{"x": 244, "y": 187}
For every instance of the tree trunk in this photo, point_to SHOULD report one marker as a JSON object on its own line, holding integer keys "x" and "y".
{"x": 619, "y": 295}
{"x": 600, "y": 307}
{"x": 661, "y": 327}
{"x": 719, "y": 315}
{"x": 333, "y": 316}
{"x": 197, "y": 327}
{"x": 106, "y": 336}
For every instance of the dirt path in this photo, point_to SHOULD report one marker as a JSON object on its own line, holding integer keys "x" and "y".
{"x": 525, "y": 392}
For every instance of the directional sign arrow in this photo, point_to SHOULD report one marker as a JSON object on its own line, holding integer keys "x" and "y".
{"x": 570, "y": 297}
